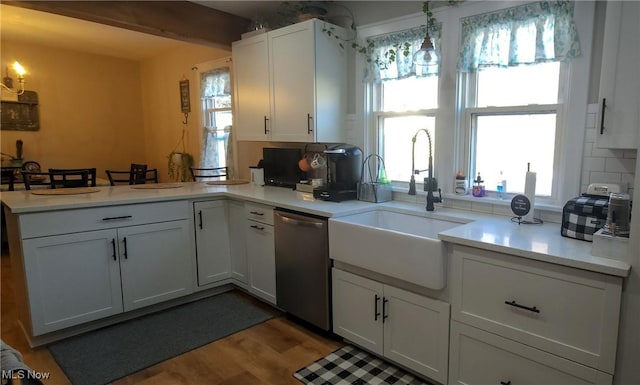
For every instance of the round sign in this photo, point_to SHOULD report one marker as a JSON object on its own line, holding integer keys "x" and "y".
{"x": 520, "y": 205}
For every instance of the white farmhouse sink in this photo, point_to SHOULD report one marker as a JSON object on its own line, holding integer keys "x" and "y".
{"x": 399, "y": 245}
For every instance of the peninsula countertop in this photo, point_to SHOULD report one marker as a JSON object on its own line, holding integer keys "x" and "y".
{"x": 484, "y": 231}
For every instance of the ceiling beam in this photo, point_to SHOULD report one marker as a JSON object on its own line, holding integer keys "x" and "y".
{"x": 180, "y": 20}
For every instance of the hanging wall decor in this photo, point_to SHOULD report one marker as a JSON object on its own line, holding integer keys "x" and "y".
{"x": 21, "y": 115}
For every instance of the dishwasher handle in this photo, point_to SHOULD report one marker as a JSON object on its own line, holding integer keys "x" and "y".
{"x": 301, "y": 222}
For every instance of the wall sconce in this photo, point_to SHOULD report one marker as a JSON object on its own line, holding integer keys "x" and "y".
{"x": 7, "y": 81}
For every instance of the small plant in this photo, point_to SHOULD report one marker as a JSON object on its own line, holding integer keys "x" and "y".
{"x": 179, "y": 166}
{"x": 180, "y": 162}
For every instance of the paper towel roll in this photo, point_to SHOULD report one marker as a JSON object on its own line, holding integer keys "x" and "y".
{"x": 530, "y": 193}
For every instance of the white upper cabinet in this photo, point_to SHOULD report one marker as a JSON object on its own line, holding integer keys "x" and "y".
{"x": 618, "y": 119}
{"x": 251, "y": 88}
{"x": 305, "y": 80}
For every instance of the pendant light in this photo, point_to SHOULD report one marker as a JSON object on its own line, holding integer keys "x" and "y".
{"x": 426, "y": 55}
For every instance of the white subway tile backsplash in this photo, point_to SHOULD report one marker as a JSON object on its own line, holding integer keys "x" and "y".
{"x": 591, "y": 121}
{"x": 621, "y": 165}
{"x": 593, "y": 164}
{"x": 605, "y": 177}
{"x": 482, "y": 207}
{"x": 601, "y": 165}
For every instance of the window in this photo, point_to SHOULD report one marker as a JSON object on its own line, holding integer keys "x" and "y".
{"x": 217, "y": 118}
{"x": 407, "y": 105}
{"x": 512, "y": 118}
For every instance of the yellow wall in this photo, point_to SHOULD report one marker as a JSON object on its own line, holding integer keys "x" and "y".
{"x": 90, "y": 108}
{"x": 161, "y": 103}
{"x": 105, "y": 112}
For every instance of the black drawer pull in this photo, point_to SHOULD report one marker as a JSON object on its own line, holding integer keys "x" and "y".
{"x": 513, "y": 303}
{"x": 376, "y": 313}
{"x": 604, "y": 106}
{"x": 266, "y": 131}
{"x": 256, "y": 213}
{"x": 117, "y": 218}
{"x": 384, "y": 309}
{"x": 126, "y": 255}
{"x": 200, "y": 215}
{"x": 113, "y": 245}
{"x": 309, "y": 119}
{"x": 257, "y": 227}
{"x": 505, "y": 382}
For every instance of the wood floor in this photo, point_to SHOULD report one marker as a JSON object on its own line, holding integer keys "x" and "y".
{"x": 268, "y": 353}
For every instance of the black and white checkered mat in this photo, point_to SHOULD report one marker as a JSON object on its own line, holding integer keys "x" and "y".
{"x": 352, "y": 366}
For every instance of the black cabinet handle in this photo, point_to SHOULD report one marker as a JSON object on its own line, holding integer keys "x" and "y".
{"x": 505, "y": 382}
{"x": 384, "y": 309}
{"x": 113, "y": 245}
{"x": 256, "y": 213}
{"x": 117, "y": 218}
{"x": 514, "y": 304}
{"x": 257, "y": 227}
{"x": 124, "y": 240}
{"x": 309, "y": 119}
{"x": 376, "y": 312}
{"x": 266, "y": 130}
{"x": 200, "y": 215}
{"x": 604, "y": 105}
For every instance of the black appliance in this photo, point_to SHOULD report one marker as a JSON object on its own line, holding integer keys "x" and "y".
{"x": 344, "y": 166}
{"x": 281, "y": 166}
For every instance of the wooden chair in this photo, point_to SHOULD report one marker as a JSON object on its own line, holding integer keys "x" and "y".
{"x": 65, "y": 179}
{"x": 132, "y": 176}
{"x": 200, "y": 173}
{"x": 91, "y": 171}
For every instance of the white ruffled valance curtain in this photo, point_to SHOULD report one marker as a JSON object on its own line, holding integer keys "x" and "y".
{"x": 392, "y": 54}
{"x": 527, "y": 34}
{"x": 215, "y": 89}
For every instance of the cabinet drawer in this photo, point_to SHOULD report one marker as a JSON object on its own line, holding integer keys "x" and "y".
{"x": 478, "y": 357}
{"x": 569, "y": 312}
{"x": 259, "y": 213}
{"x": 72, "y": 221}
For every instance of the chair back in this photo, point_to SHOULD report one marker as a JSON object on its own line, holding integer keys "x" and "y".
{"x": 201, "y": 173}
{"x": 132, "y": 176}
{"x": 65, "y": 179}
{"x": 71, "y": 183}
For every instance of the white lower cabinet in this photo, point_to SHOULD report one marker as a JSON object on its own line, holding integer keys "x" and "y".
{"x": 479, "y": 357}
{"x": 212, "y": 241}
{"x": 238, "y": 243}
{"x": 409, "y": 329}
{"x": 261, "y": 258}
{"x": 81, "y": 277}
{"x": 72, "y": 279}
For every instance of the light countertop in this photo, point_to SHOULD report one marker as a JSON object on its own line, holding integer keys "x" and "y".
{"x": 495, "y": 233}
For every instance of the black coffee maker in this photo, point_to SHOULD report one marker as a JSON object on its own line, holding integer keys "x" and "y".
{"x": 344, "y": 165}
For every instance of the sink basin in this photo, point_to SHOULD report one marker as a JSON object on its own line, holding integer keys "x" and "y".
{"x": 402, "y": 246}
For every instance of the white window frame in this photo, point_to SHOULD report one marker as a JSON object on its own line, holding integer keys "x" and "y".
{"x": 451, "y": 114}
{"x": 200, "y": 69}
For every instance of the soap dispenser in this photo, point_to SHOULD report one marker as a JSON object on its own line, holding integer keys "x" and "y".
{"x": 478, "y": 187}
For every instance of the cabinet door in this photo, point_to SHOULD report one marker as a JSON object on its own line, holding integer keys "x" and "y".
{"x": 156, "y": 263}
{"x": 261, "y": 260}
{"x": 238, "y": 243}
{"x": 72, "y": 279}
{"x": 212, "y": 241}
{"x": 416, "y": 332}
{"x": 479, "y": 357}
{"x": 357, "y": 310}
{"x": 292, "y": 65}
{"x": 251, "y": 81}
{"x": 619, "y": 82}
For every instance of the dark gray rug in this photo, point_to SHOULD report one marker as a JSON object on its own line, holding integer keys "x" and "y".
{"x": 106, "y": 354}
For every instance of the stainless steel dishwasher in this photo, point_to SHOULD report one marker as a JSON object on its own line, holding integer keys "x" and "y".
{"x": 303, "y": 267}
